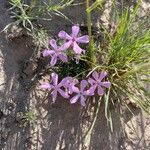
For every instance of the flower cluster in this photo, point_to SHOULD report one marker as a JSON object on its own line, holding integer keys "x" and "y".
{"x": 69, "y": 87}
{"x": 70, "y": 41}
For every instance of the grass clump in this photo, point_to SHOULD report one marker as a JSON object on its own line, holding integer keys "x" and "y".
{"x": 29, "y": 118}
{"x": 128, "y": 59}
{"x": 26, "y": 14}
{"x": 125, "y": 56}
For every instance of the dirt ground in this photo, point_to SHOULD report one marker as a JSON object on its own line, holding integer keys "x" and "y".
{"x": 58, "y": 126}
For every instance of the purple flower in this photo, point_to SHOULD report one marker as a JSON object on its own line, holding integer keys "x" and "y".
{"x": 58, "y": 52}
{"x": 98, "y": 83}
{"x": 45, "y": 86}
{"x": 69, "y": 84}
{"x": 81, "y": 94}
{"x": 55, "y": 87}
{"x": 73, "y": 39}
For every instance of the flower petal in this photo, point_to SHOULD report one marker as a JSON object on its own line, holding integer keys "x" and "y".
{"x": 106, "y": 84}
{"x": 74, "y": 89}
{"x": 45, "y": 86}
{"x": 75, "y": 31}
{"x": 53, "y": 44}
{"x": 82, "y": 100}
{"x": 74, "y": 99}
{"x": 54, "y": 77}
{"x": 95, "y": 75}
{"x": 53, "y": 60}
{"x": 83, "y": 85}
{"x": 63, "y": 94}
{"x": 66, "y": 45}
{"x": 90, "y": 91}
{"x": 102, "y": 75}
{"x": 76, "y": 48}
{"x": 64, "y": 35}
{"x": 100, "y": 91}
{"x": 66, "y": 81}
{"x": 83, "y": 39}
{"x": 54, "y": 95}
{"x": 91, "y": 81}
{"x": 46, "y": 52}
{"x": 72, "y": 86}
{"x": 63, "y": 57}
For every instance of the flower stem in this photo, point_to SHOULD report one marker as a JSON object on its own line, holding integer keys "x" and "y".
{"x": 89, "y": 20}
{"x": 91, "y": 54}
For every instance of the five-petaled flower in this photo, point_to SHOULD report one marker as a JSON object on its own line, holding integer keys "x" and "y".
{"x": 82, "y": 93}
{"x": 73, "y": 39}
{"x": 58, "y": 52}
{"x": 98, "y": 83}
{"x": 55, "y": 87}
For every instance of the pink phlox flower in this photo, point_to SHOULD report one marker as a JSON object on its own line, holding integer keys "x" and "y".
{"x": 69, "y": 84}
{"x": 96, "y": 82}
{"x": 73, "y": 39}
{"x": 55, "y": 87}
{"x": 81, "y": 93}
{"x": 57, "y": 52}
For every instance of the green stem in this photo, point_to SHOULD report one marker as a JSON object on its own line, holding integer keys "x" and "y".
{"x": 89, "y": 21}
{"x": 91, "y": 54}
{"x": 32, "y": 5}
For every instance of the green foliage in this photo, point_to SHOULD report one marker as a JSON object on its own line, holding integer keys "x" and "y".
{"x": 72, "y": 68}
{"x": 91, "y": 49}
{"x": 40, "y": 38}
{"x": 29, "y": 118}
{"x": 27, "y": 14}
{"x": 127, "y": 60}
{"x": 125, "y": 55}
{"x": 19, "y": 11}
{"x": 95, "y": 5}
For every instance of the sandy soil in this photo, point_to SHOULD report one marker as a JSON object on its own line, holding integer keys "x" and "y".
{"x": 59, "y": 126}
